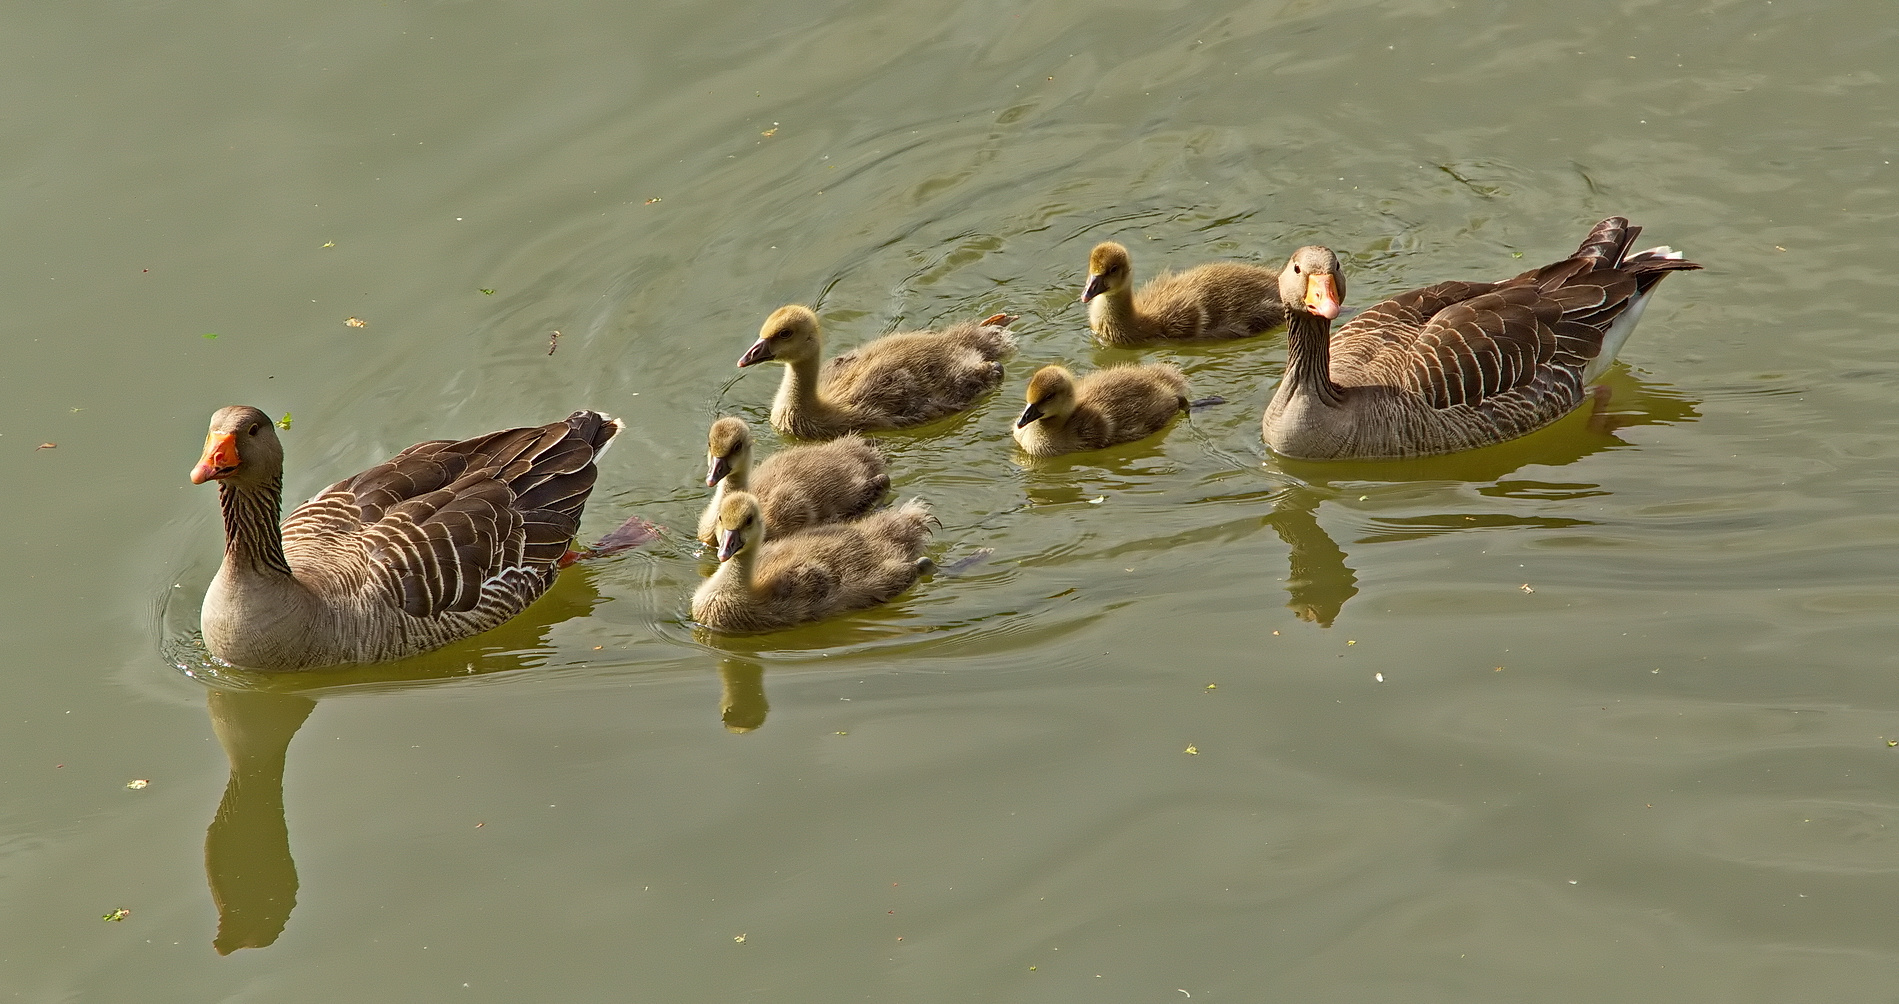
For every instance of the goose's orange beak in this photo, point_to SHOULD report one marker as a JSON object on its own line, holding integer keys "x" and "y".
{"x": 219, "y": 460}
{"x": 1322, "y": 295}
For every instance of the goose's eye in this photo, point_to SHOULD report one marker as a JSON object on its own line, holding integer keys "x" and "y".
{"x": 1295, "y": 269}
{"x": 253, "y": 429}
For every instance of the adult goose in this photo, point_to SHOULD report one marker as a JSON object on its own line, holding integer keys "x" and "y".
{"x": 1118, "y": 404}
{"x": 1224, "y": 299}
{"x": 763, "y": 584}
{"x": 1457, "y": 365}
{"x": 894, "y": 382}
{"x": 442, "y": 541}
{"x": 797, "y": 487}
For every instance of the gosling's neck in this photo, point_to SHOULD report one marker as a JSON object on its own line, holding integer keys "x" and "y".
{"x": 1309, "y": 357}
{"x": 798, "y": 393}
{"x": 1112, "y": 316}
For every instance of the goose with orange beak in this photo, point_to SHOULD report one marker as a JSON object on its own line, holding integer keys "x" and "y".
{"x": 445, "y": 540}
{"x": 1458, "y": 365}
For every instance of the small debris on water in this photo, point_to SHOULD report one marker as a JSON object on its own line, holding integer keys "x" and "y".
{"x": 1212, "y": 687}
{"x": 553, "y": 341}
{"x": 355, "y": 322}
{"x": 329, "y": 244}
{"x": 1192, "y": 751}
{"x": 210, "y": 335}
{"x": 485, "y": 291}
{"x": 773, "y": 131}
{"x": 738, "y": 939}
{"x": 1526, "y": 588}
{"x": 117, "y": 915}
{"x": 47, "y": 446}
{"x": 138, "y": 783}
{"x": 284, "y": 422}
{"x": 652, "y": 200}
{"x": 1378, "y": 677}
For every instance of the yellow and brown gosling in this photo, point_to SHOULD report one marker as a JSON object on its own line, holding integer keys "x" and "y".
{"x": 1118, "y": 404}
{"x": 1226, "y": 299}
{"x": 797, "y": 487}
{"x": 764, "y": 585}
{"x": 894, "y": 382}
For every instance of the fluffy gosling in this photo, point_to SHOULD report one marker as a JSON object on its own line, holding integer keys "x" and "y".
{"x": 797, "y": 487}
{"x": 894, "y": 382}
{"x": 1119, "y": 404}
{"x": 1226, "y": 299}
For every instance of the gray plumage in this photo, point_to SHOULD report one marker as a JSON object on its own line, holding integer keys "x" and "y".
{"x": 763, "y": 585}
{"x": 1226, "y": 299}
{"x": 1457, "y": 365}
{"x": 442, "y": 541}
{"x": 797, "y": 487}
{"x": 900, "y": 380}
{"x": 1118, "y": 404}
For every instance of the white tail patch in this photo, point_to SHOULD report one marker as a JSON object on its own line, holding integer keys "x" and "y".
{"x": 1664, "y": 251}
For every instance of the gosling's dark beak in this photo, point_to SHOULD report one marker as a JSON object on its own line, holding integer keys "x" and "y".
{"x": 729, "y": 544}
{"x": 1032, "y": 413}
{"x": 758, "y": 353}
{"x": 721, "y": 466}
{"x": 1097, "y": 285}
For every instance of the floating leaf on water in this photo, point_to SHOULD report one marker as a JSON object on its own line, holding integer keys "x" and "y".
{"x": 1516, "y": 254}
{"x": 355, "y": 322}
{"x": 1192, "y": 750}
{"x": 485, "y": 291}
{"x": 773, "y": 131}
{"x": 1212, "y": 687}
{"x": 652, "y": 200}
{"x": 117, "y": 915}
{"x": 284, "y": 422}
{"x": 47, "y": 446}
{"x": 329, "y": 244}
{"x": 210, "y": 334}
{"x": 738, "y": 939}
{"x": 137, "y": 783}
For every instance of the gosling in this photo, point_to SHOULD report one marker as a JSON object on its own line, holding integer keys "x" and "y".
{"x": 1119, "y": 404}
{"x": 797, "y": 487}
{"x": 808, "y": 576}
{"x": 1225, "y": 299}
{"x": 894, "y": 382}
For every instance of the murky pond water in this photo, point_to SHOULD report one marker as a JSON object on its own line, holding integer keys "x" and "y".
{"x": 1633, "y": 735}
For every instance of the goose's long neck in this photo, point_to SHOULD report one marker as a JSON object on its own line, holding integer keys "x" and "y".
{"x": 1309, "y": 357}
{"x": 253, "y": 542}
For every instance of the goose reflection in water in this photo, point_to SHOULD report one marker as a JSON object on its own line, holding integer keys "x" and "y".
{"x": 247, "y": 857}
{"x": 1319, "y": 580}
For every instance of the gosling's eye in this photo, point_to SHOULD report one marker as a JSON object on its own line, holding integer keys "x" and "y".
{"x": 782, "y": 333}
{"x": 253, "y": 429}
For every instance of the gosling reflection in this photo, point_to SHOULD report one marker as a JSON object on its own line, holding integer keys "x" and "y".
{"x": 247, "y": 848}
{"x": 742, "y": 704}
{"x": 1317, "y": 577}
